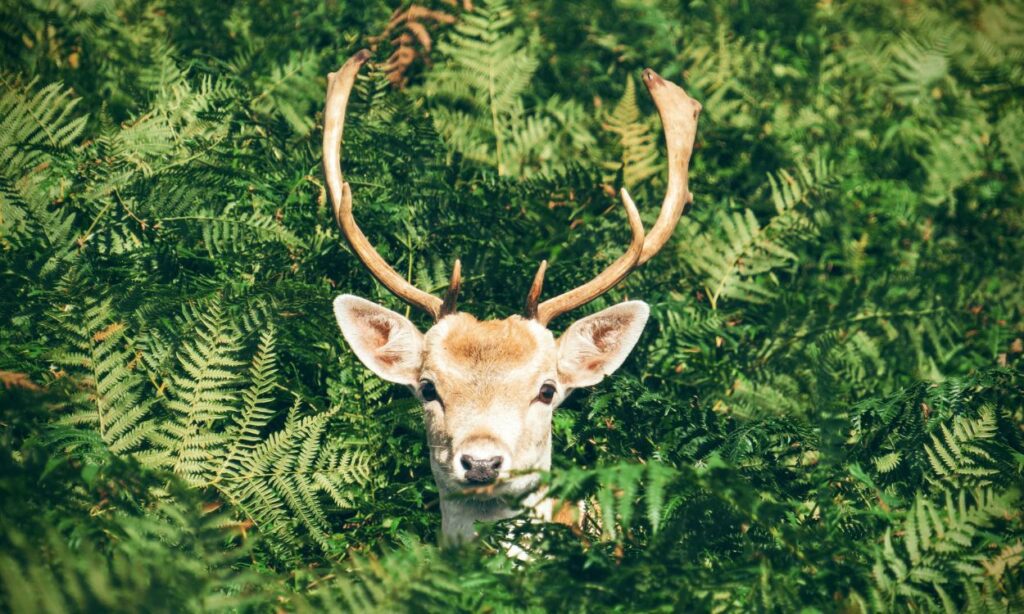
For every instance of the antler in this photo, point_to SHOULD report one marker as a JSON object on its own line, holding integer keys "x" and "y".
{"x": 679, "y": 115}
{"x": 594, "y": 288}
{"x": 339, "y": 87}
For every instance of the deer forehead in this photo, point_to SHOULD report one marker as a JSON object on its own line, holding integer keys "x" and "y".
{"x": 461, "y": 349}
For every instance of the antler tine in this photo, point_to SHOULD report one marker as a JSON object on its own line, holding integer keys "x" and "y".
{"x": 679, "y": 115}
{"x": 535, "y": 289}
{"x": 605, "y": 281}
{"x": 339, "y": 88}
{"x": 451, "y": 297}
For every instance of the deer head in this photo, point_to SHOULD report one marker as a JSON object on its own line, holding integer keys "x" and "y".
{"x": 489, "y": 388}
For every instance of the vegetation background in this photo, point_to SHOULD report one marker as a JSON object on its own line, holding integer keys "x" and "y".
{"x": 824, "y": 413}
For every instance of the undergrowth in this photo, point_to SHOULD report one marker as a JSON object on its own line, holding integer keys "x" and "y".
{"x": 824, "y": 412}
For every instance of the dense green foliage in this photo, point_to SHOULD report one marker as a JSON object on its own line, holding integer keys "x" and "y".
{"x": 825, "y": 410}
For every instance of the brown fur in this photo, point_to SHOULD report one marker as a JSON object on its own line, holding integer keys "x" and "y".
{"x": 482, "y": 437}
{"x": 566, "y": 512}
{"x": 491, "y": 343}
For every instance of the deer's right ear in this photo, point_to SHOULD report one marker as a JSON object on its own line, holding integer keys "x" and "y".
{"x": 386, "y": 342}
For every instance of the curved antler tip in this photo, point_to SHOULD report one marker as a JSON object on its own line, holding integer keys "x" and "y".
{"x": 651, "y": 78}
{"x": 635, "y": 223}
{"x": 679, "y": 120}
{"x": 627, "y": 202}
{"x": 538, "y": 277}
{"x": 354, "y": 62}
{"x": 670, "y": 98}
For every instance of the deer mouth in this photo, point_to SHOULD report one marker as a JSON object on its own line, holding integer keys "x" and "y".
{"x": 480, "y": 485}
{"x": 484, "y": 491}
{"x": 516, "y": 485}
{"x": 480, "y": 478}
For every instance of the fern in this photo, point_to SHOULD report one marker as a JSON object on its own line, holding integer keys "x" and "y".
{"x": 959, "y": 455}
{"x": 412, "y": 578}
{"x": 640, "y": 158}
{"x": 232, "y": 230}
{"x": 201, "y": 394}
{"x": 111, "y": 396}
{"x": 482, "y": 85}
{"x": 488, "y": 64}
{"x": 35, "y": 121}
{"x": 734, "y": 264}
{"x": 288, "y": 91}
{"x": 917, "y": 69}
{"x": 957, "y": 155}
{"x": 256, "y": 411}
{"x": 38, "y": 127}
{"x": 1012, "y": 124}
{"x": 217, "y": 437}
{"x": 615, "y": 492}
{"x": 888, "y": 462}
{"x": 154, "y": 558}
{"x": 722, "y": 64}
{"x": 939, "y": 542}
{"x": 832, "y": 347}
{"x": 278, "y": 482}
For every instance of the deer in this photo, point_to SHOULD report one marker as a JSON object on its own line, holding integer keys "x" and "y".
{"x": 489, "y": 387}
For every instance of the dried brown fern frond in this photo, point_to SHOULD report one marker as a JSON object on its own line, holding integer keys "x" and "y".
{"x": 408, "y": 30}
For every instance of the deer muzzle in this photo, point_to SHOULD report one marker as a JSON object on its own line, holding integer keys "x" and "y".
{"x": 480, "y": 460}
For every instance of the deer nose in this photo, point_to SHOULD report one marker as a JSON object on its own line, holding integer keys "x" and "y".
{"x": 481, "y": 470}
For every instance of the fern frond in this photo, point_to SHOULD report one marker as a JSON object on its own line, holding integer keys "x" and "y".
{"x": 112, "y": 399}
{"x": 202, "y": 393}
{"x": 34, "y": 121}
{"x": 960, "y": 456}
{"x": 735, "y": 262}
{"x": 478, "y": 98}
{"x": 278, "y": 482}
{"x": 640, "y": 157}
{"x": 411, "y": 577}
{"x": 234, "y": 231}
{"x": 888, "y": 462}
{"x": 256, "y": 412}
{"x": 617, "y": 489}
{"x": 940, "y": 543}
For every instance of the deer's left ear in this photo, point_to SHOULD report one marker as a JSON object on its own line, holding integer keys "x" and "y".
{"x": 597, "y": 345}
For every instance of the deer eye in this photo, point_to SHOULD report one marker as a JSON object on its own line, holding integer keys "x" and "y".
{"x": 547, "y": 393}
{"x": 428, "y": 391}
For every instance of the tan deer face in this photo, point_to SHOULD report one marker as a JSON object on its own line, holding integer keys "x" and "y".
{"x": 489, "y": 388}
